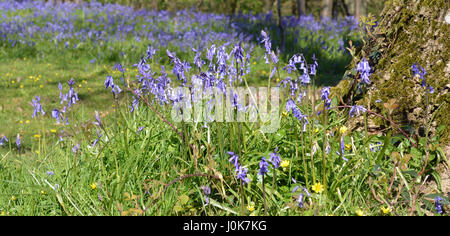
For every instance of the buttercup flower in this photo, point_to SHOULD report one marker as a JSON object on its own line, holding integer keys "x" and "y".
{"x": 386, "y": 210}
{"x": 317, "y": 187}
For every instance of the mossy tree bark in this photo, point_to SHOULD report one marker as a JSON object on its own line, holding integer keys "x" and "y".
{"x": 409, "y": 31}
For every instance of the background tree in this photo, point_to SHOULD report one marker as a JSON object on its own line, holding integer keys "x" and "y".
{"x": 360, "y": 8}
{"x": 327, "y": 9}
{"x": 301, "y": 7}
{"x": 408, "y": 32}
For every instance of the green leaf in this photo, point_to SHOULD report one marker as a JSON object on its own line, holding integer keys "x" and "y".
{"x": 225, "y": 208}
{"x": 183, "y": 199}
{"x": 423, "y": 141}
{"x": 178, "y": 208}
{"x": 438, "y": 179}
{"x": 416, "y": 153}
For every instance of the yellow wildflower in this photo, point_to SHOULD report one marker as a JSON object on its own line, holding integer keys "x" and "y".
{"x": 317, "y": 187}
{"x": 285, "y": 114}
{"x": 43, "y": 192}
{"x": 348, "y": 146}
{"x": 53, "y": 130}
{"x": 343, "y": 129}
{"x": 359, "y": 212}
{"x": 37, "y": 135}
{"x": 93, "y": 186}
{"x": 13, "y": 198}
{"x": 386, "y": 210}
{"x": 251, "y": 206}
{"x": 27, "y": 121}
{"x": 21, "y": 86}
{"x": 285, "y": 163}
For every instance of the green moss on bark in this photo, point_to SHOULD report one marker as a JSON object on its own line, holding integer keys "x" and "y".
{"x": 411, "y": 32}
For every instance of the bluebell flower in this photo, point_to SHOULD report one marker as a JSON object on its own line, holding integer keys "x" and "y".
{"x": 139, "y": 129}
{"x": 356, "y": 109}
{"x": 266, "y": 41}
{"x": 234, "y": 159}
{"x": 50, "y": 173}
{"x": 56, "y": 114}
{"x": 37, "y": 107}
{"x": 99, "y": 135}
{"x": 438, "y": 204}
{"x": 242, "y": 174}
{"x": 75, "y": 148}
{"x": 197, "y": 59}
{"x": 363, "y": 67}
{"x": 134, "y": 104}
{"x": 275, "y": 158}
{"x": 116, "y": 89}
{"x": 343, "y": 148}
{"x": 325, "y": 95}
{"x": 207, "y": 192}
{"x": 263, "y": 166}
{"x": 109, "y": 82}
{"x": 305, "y": 78}
{"x": 3, "y": 140}
{"x": 119, "y": 68}
{"x": 150, "y": 52}
{"x": 302, "y": 192}
{"x": 290, "y": 105}
{"x": 301, "y": 197}
{"x": 18, "y": 141}
{"x": 98, "y": 121}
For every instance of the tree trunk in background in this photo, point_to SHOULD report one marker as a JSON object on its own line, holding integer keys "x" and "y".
{"x": 360, "y": 8}
{"x": 350, "y": 6}
{"x": 280, "y": 24}
{"x": 327, "y": 9}
{"x": 301, "y": 6}
{"x": 408, "y": 32}
{"x": 268, "y": 6}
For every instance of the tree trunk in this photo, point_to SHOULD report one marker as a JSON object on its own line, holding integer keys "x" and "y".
{"x": 408, "y": 32}
{"x": 327, "y": 9}
{"x": 350, "y": 6}
{"x": 280, "y": 24}
{"x": 301, "y": 7}
{"x": 268, "y": 6}
{"x": 360, "y": 8}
